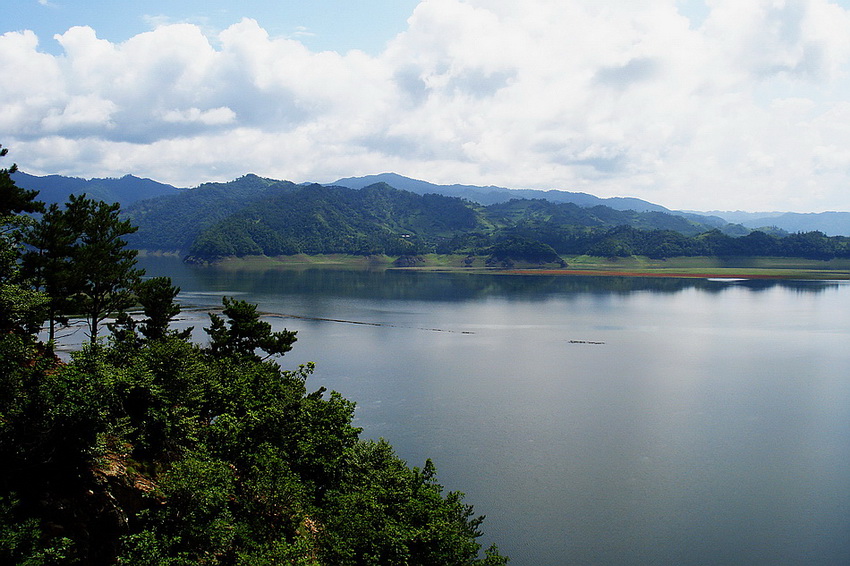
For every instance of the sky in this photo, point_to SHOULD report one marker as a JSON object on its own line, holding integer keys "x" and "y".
{"x": 691, "y": 104}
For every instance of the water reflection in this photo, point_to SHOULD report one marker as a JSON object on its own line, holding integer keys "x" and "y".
{"x": 436, "y": 286}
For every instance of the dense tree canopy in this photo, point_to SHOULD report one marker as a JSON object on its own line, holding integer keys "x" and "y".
{"x": 22, "y": 308}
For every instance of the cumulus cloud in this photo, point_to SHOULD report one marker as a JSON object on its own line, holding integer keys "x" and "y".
{"x": 744, "y": 108}
{"x": 212, "y": 117}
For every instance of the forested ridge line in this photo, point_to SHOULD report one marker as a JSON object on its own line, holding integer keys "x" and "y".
{"x": 253, "y": 216}
{"x": 256, "y": 216}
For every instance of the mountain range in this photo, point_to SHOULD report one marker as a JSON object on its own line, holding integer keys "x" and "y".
{"x": 493, "y": 195}
{"x": 252, "y": 215}
{"x": 129, "y": 189}
{"x": 126, "y": 190}
{"x": 830, "y": 223}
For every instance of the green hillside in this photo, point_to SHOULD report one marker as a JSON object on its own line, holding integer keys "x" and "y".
{"x": 256, "y": 216}
{"x": 317, "y": 219}
{"x": 171, "y": 223}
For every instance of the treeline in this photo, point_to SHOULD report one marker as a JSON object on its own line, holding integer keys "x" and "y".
{"x": 382, "y": 220}
{"x": 317, "y": 220}
{"x": 625, "y": 241}
{"x": 243, "y": 237}
{"x": 254, "y": 216}
{"x": 147, "y": 448}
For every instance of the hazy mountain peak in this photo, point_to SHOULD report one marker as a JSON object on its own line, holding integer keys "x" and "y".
{"x": 492, "y": 194}
{"x": 125, "y": 190}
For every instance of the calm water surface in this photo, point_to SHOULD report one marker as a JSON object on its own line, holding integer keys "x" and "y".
{"x": 593, "y": 420}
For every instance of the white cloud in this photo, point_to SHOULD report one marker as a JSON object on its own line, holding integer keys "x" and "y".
{"x": 302, "y": 31}
{"x": 80, "y": 113}
{"x": 748, "y": 109}
{"x": 214, "y": 117}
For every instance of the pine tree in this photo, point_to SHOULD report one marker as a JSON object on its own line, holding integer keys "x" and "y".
{"x": 104, "y": 271}
{"x": 48, "y": 263}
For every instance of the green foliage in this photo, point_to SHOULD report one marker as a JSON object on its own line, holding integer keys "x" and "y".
{"x": 516, "y": 248}
{"x": 22, "y": 309}
{"x": 156, "y": 295}
{"x": 175, "y": 222}
{"x": 286, "y": 220}
{"x": 21, "y": 541}
{"x": 384, "y": 513}
{"x": 256, "y": 216}
{"x": 245, "y": 332}
{"x": 79, "y": 258}
{"x": 103, "y": 266}
{"x": 175, "y": 454}
{"x": 277, "y": 218}
{"x": 49, "y": 263}
{"x": 13, "y": 199}
{"x": 317, "y": 219}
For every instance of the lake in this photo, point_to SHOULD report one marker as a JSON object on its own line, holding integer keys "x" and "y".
{"x": 594, "y": 420}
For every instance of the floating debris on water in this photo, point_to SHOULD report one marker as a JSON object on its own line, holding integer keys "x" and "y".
{"x": 363, "y": 323}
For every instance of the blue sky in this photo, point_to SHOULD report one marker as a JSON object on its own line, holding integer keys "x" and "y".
{"x": 693, "y": 104}
{"x": 338, "y": 25}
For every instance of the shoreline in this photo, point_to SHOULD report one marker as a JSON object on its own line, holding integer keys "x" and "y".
{"x": 680, "y": 267}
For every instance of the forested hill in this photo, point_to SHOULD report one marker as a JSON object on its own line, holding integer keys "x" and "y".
{"x": 129, "y": 189}
{"x": 830, "y": 223}
{"x": 255, "y": 216}
{"x": 316, "y": 219}
{"x": 172, "y": 223}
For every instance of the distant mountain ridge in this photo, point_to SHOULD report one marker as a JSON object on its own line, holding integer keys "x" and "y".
{"x": 830, "y": 223}
{"x": 129, "y": 190}
{"x": 494, "y": 195}
{"x": 125, "y": 191}
{"x": 256, "y": 216}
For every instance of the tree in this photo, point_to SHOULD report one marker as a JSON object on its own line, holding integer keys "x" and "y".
{"x": 172, "y": 454}
{"x": 48, "y": 263}
{"x": 245, "y": 332}
{"x": 383, "y": 512}
{"x": 156, "y": 295}
{"x": 13, "y": 199}
{"x": 21, "y": 308}
{"x": 104, "y": 271}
